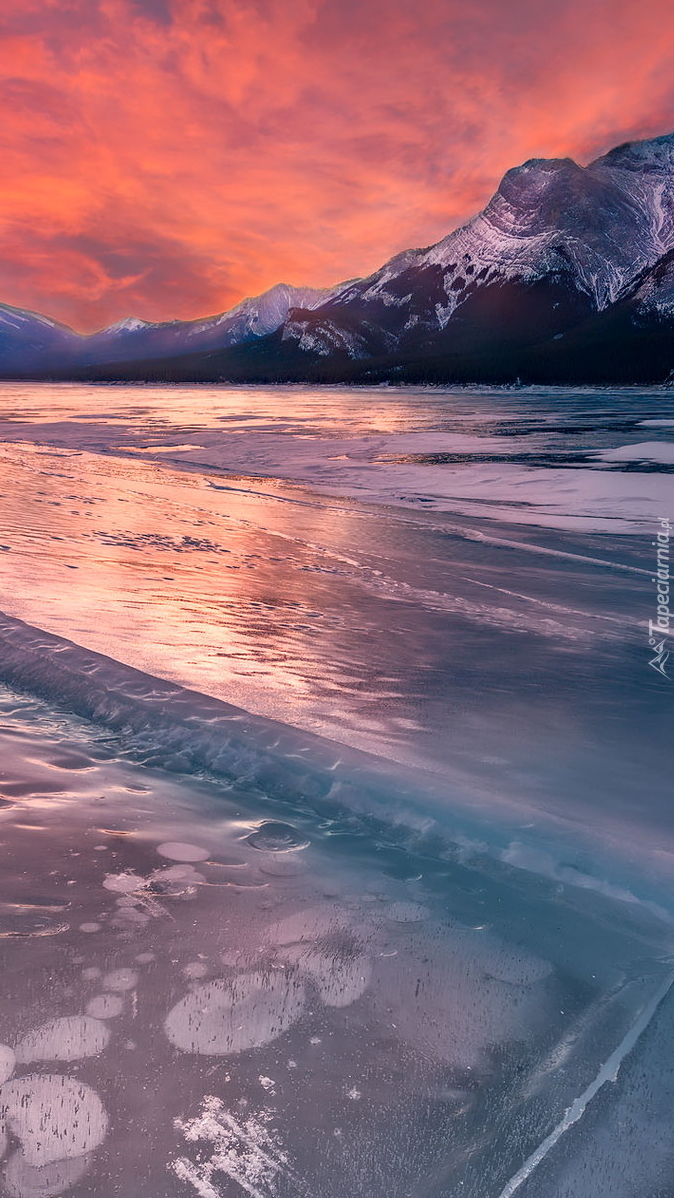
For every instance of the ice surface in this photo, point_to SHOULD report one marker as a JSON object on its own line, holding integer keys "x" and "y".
{"x": 23, "y": 1180}
{"x": 7, "y": 1062}
{"x": 382, "y": 961}
{"x": 354, "y": 1027}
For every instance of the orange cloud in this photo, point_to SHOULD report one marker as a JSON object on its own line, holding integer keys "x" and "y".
{"x": 164, "y": 158}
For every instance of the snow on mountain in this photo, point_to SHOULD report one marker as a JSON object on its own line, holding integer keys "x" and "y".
{"x": 267, "y": 312}
{"x": 132, "y": 324}
{"x": 28, "y": 336}
{"x": 25, "y": 321}
{"x": 255, "y": 317}
{"x": 653, "y": 293}
{"x": 30, "y": 343}
{"x": 585, "y": 230}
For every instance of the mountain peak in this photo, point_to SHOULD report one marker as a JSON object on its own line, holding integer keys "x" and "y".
{"x": 130, "y": 324}
{"x": 525, "y": 187}
{"x": 651, "y": 154}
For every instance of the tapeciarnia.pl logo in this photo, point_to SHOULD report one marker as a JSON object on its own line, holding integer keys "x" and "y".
{"x": 660, "y": 626}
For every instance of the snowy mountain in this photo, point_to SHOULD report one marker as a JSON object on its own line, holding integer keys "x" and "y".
{"x": 565, "y": 264}
{"x": 31, "y": 344}
{"x": 137, "y": 339}
{"x": 556, "y": 244}
{"x": 27, "y": 337}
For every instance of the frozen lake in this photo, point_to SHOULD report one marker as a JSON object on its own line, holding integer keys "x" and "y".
{"x": 422, "y": 770}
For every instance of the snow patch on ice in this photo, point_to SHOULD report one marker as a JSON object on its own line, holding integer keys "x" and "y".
{"x": 644, "y": 451}
{"x": 245, "y": 1151}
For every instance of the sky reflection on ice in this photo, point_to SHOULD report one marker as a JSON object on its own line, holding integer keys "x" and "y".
{"x": 507, "y": 656}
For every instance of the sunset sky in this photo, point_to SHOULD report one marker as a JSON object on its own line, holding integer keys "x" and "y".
{"x": 165, "y": 158}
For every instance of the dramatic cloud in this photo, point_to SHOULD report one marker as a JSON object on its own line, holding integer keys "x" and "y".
{"x": 167, "y": 157}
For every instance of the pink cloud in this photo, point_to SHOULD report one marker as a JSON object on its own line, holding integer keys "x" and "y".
{"x": 167, "y": 157}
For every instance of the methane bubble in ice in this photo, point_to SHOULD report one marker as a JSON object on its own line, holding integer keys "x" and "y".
{"x": 455, "y": 993}
{"x": 121, "y": 980}
{"x": 175, "y": 881}
{"x": 105, "y": 1006}
{"x": 312, "y": 925}
{"x": 339, "y": 975}
{"x": 68, "y": 1039}
{"x": 7, "y": 1062}
{"x": 195, "y": 969}
{"x": 324, "y": 945}
{"x": 54, "y": 1118}
{"x": 125, "y": 883}
{"x": 46, "y": 1181}
{"x": 275, "y": 837}
{"x": 175, "y": 851}
{"x": 233, "y": 1014}
{"x": 130, "y": 915}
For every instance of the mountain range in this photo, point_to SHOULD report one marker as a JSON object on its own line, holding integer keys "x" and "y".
{"x": 567, "y": 276}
